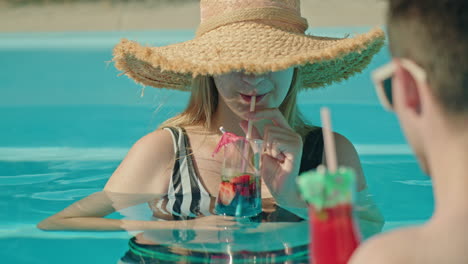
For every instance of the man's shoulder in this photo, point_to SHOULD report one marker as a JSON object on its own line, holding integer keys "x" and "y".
{"x": 392, "y": 247}
{"x": 375, "y": 250}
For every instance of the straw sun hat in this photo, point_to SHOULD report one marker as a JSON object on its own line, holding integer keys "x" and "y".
{"x": 256, "y": 36}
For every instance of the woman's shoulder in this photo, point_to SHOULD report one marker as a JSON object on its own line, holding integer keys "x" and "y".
{"x": 158, "y": 143}
{"x": 147, "y": 161}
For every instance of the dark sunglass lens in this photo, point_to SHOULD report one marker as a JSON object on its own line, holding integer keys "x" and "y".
{"x": 387, "y": 85}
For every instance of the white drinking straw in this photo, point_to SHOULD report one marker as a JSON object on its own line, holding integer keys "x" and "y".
{"x": 250, "y": 123}
{"x": 222, "y": 129}
{"x": 249, "y": 134}
{"x": 328, "y": 139}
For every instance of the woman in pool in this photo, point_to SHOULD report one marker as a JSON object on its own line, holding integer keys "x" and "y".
{"x": 242, "y": 49}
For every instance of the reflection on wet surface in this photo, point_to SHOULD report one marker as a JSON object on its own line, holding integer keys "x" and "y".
{"x": 274, "y": 236}
{"x": 29, "y": 199}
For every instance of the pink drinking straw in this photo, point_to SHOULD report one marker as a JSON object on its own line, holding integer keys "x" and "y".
{"x": 328, "y": 139}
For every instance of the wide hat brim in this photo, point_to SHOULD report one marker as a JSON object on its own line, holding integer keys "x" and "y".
{"x": 252, "y": 47}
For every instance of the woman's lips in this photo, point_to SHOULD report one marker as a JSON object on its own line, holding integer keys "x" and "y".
{"x": 248, "y": 98}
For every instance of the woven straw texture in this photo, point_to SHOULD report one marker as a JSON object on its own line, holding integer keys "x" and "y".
{"x": 255, "y": 40}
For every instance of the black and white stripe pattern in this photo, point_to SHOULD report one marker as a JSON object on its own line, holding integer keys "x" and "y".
{"x": 186, "y": 195}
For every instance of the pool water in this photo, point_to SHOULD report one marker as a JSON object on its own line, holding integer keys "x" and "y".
{"x": 67, "y": 121}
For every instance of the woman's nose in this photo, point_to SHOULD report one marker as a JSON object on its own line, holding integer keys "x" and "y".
{"x": 253, "y": 79}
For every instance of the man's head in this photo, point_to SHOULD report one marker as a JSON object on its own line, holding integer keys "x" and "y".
{"x": 432, "y": 34}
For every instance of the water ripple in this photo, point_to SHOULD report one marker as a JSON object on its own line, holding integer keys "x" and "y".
{"x": 84, "y": 179}
{"x": 29, "y": 178}
{"x": 68, "y": 195}
{"x": 416, "y": 182}
{"x": 62, "y": 154}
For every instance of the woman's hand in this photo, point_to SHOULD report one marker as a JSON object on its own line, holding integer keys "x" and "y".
{"x": 282, "y": 153}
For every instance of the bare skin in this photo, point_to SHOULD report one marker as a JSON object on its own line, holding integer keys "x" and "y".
{"x": 440, "y": 141}
{"x": 145, "y": 172}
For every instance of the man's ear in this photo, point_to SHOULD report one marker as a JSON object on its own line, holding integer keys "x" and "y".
{"x": 410, "y": 95}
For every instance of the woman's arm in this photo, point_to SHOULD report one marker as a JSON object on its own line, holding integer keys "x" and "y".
{"x": 89, "y": 212}
{"x": 143, "y": 175}
{"x": 369, "y": 218}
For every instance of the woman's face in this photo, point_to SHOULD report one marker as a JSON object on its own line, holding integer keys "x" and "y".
{"x": 237, "y": 89}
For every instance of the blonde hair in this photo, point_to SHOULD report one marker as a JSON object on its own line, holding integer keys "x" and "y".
{"x": 204, "y": 101}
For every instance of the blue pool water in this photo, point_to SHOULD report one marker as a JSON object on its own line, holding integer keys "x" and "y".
{"x": 67, "y": 120}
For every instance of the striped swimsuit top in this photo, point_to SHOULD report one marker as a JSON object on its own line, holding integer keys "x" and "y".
{"x": 187, "y": 198}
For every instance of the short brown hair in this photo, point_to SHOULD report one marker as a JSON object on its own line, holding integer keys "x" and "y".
{"x": 434, "y": 33}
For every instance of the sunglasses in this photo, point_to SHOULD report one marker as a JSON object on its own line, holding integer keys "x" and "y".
{"x": 383, "y": 76}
